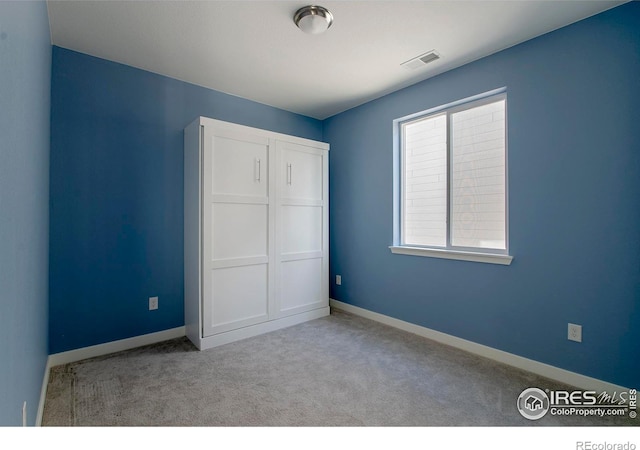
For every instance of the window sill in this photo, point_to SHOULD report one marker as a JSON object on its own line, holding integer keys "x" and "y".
{"x": 490, "y": 258}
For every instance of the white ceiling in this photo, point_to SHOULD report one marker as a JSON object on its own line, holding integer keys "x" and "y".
{"x": 252, "y": 49}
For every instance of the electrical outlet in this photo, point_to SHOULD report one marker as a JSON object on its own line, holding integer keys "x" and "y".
{"x": 575, "y": 332}
{"x": 153, "y": 303}
{"x": 338, "y": 280}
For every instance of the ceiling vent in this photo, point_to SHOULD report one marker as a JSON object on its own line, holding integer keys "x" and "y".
{"x": 421, "y": 60}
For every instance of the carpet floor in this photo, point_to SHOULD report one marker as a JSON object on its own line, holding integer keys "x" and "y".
{"x": 341, "y": 370}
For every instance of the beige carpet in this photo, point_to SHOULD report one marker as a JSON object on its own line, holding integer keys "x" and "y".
{"x": 341, "y": 370}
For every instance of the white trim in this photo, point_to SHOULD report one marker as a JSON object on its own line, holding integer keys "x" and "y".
{"x": 545, "y": 370}
{"x": 491, "y": 258}
{"x": 260, "y": 328}
{"x": 43, "y": 393}
{"x": 222, "y": 128}
{"x": 451, "y": 105}
{"x": 115, "y": 346}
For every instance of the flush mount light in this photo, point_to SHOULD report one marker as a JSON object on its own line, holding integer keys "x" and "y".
{"x": 313, "y": 19}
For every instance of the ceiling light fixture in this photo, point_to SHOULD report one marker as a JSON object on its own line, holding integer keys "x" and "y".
{"x": 313, "y": 19}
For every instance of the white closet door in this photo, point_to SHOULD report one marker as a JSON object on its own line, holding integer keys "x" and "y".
{"x": 302, "y": 237}
{"x": 236, "y": 225}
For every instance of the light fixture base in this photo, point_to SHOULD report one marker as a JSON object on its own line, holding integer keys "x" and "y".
{"x": 313, "y": 19}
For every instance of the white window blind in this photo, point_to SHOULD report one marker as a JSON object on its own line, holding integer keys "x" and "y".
{"x": 425, "y": 187}
{"x": 478, "y": 177}
{"x": 453, "y": 179}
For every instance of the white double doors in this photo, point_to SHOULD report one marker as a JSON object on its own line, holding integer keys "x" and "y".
{"x": 264, "y": 229}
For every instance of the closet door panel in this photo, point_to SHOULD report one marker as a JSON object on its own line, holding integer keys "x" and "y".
{"x": 239, "y": 230}
{"x": 239, "y": 166}
{"x": 240, "y": 295}
{"x": 301, "y": 286}
{"x": 301, "y": 172}
{"x": 301, "y": 229}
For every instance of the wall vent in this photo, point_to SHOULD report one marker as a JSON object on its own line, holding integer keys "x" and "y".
{"x": 421, "y": 60}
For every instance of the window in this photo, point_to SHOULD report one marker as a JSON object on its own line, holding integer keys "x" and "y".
{"x": 452, "y": 191}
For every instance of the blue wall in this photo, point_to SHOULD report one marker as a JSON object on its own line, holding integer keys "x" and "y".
{"x": 25, "y": 69}
{"x": 574, "y": 187}
{"x": 116, "y": 194}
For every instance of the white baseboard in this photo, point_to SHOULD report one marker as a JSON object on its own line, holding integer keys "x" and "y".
{"x": 116, "y": 346}
{"x": 542, "y": 369}
{"x": 43, "y": 393}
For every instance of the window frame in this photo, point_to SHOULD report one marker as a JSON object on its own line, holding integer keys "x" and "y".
{"x": 477, "y": 254}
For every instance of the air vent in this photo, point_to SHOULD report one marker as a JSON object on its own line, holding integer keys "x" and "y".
{"x": 421, "y": 60}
